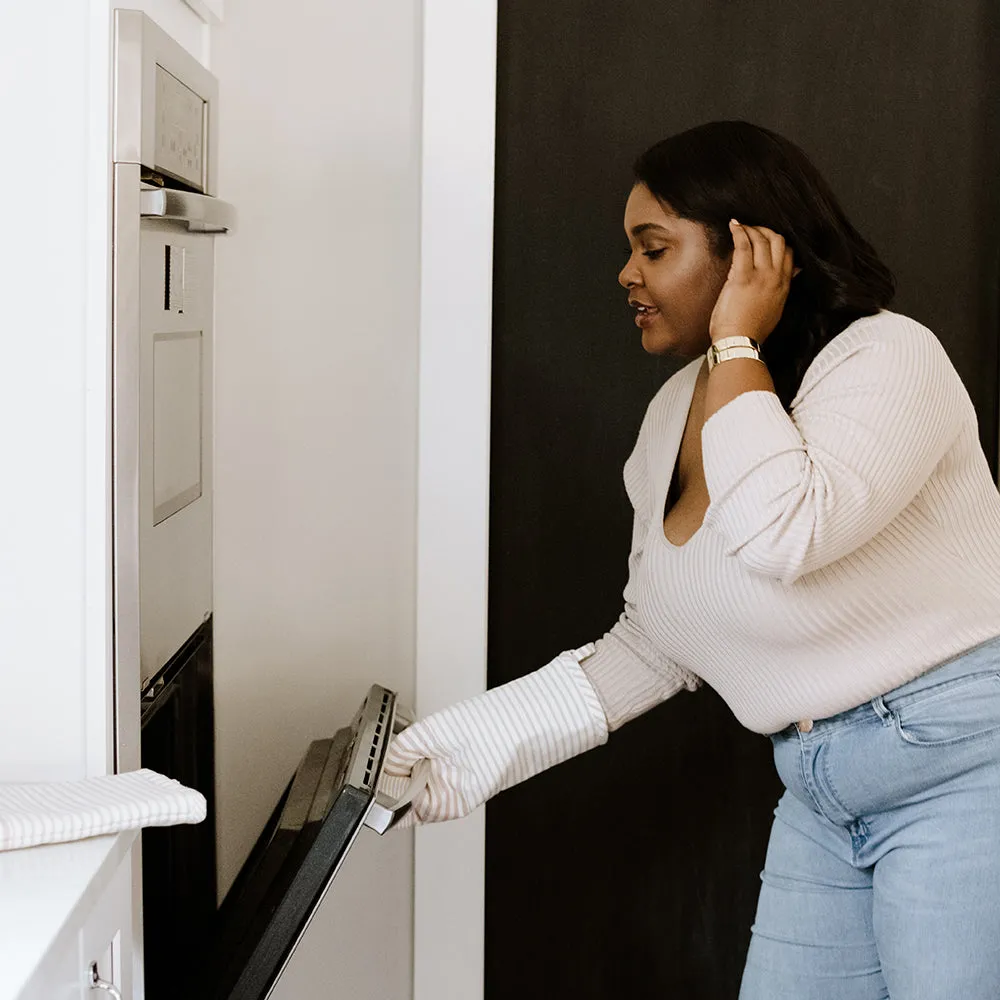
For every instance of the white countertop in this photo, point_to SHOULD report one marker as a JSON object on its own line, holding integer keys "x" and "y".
{"x": 45, "y": 892}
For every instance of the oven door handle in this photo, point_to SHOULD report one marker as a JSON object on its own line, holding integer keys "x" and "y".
{"x": 385, "y": 813}
{"x": 201, "y": 213}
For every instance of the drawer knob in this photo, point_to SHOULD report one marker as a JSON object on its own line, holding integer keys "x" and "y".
{"x": 96, "y": 983}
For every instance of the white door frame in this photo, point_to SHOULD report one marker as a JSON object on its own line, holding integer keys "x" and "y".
{"x": 459, "y": 101}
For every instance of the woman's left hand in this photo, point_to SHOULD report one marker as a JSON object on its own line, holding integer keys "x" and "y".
{"x": 753, "y": 297}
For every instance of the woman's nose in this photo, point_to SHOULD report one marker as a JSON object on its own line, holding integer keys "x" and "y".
{"x": 629, "y": 275}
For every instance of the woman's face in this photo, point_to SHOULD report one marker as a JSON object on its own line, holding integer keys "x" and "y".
{"x": 672, "y": 277}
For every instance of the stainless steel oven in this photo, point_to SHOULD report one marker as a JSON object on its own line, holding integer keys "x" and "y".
{"x": 166, "y": 213}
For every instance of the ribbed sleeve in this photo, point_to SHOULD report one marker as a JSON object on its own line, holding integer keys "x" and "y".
{"x": 792, "y": 493}
{"x": 629, "y": 683}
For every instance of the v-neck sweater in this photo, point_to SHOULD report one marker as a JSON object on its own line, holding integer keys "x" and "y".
{"x": 850, "y": 544}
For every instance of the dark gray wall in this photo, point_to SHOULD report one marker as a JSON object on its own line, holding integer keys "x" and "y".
{"x": 635, "y": 867}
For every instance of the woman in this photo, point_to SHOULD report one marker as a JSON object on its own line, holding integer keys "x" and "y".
{"x": 817, "y": 536}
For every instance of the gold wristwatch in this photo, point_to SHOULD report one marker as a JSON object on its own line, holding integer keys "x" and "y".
{"x": 727, "y": 348}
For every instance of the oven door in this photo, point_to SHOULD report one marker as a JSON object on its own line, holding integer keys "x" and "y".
{"x": 331, "y": 796}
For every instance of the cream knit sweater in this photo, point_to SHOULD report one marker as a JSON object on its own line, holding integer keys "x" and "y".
{"x": 849, "y": 545}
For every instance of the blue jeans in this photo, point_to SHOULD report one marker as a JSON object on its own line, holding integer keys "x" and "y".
{"x": 882, "y": 877}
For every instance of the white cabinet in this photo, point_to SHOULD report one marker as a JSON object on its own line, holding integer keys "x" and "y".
{"x": 103, "y": 942}
{"x": 65, "y": 907}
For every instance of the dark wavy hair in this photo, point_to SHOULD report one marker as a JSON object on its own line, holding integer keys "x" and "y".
{"x": 733, "y": 169}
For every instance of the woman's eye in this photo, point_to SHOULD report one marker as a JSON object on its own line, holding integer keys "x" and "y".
{"x": 654, "y": 254}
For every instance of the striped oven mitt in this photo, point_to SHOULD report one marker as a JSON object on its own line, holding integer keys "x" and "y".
{"x": 480, "y": 746}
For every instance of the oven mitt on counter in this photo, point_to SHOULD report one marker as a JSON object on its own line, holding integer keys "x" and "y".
{"x": 480, "y": 746}
{"x": 57, "y": 811}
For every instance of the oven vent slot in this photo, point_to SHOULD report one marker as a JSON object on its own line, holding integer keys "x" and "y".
{"x": 375, "y": 752}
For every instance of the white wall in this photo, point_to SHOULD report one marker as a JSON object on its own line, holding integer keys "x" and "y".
{"x": 178, "y": 18}
{"x": 316, "y": 403}
{"x": 46, "y": 567}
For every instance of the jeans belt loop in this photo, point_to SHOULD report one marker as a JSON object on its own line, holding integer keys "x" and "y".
{"x": 881, "y": 711}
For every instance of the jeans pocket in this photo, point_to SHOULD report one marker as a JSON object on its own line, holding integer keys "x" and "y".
{"x": 952, "y": 712}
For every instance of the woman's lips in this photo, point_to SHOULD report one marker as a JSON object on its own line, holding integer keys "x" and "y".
{"x": 646, "y": 317}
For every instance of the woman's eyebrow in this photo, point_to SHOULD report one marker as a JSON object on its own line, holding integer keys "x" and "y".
{"x": 645, "y": 227}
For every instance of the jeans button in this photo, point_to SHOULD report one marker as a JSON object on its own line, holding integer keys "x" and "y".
{"x": 805, "y": 725}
